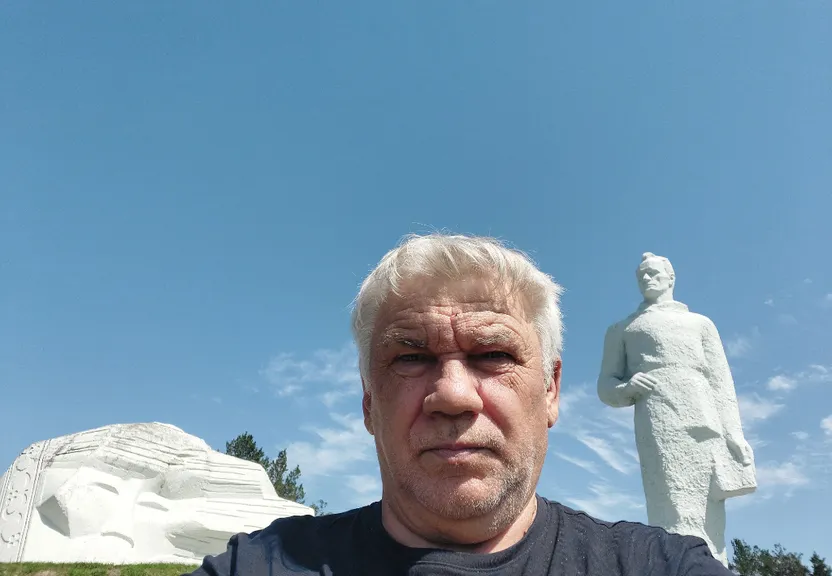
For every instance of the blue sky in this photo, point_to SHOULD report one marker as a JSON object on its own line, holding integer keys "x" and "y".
{"x": 191, "y": 193}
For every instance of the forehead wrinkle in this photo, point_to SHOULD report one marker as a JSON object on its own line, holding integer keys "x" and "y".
{"x": 431, "y": 315}
{"x": 402, "y": 337}
{"x": 492, "y": 329}
{"x": 407, "y": 338}
{"x": 499, "y": 338}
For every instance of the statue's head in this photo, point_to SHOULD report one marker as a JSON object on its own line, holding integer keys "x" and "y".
{"x": 138, "y": 491}
{"x": 655, "y": 277}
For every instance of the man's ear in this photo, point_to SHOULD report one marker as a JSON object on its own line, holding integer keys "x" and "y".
{"x": 553, "y": 395}
{"x": 366, "y": 407}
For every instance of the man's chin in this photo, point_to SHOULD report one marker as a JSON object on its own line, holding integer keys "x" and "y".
{"x": 460, "y": 498}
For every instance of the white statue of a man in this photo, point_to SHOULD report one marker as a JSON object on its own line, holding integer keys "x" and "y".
{"x": 669, "y": 363}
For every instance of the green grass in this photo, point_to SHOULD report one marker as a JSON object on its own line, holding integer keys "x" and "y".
{"x": 46, "y": 569}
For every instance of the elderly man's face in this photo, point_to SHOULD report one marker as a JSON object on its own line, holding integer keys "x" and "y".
{"x": 457, "y": 400}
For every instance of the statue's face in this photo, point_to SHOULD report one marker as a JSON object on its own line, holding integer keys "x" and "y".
{"x": 654, "y": 279}
{"x": 131, "y": 503}
{"x": 97, "y": 509}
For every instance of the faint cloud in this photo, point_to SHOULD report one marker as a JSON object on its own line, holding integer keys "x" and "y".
{"x": 336, "y": 448}
{"x": 781, "y": 383}
{"x": 741, "y": 344}
{"x": 632, "y": 454}
{"x": 606, "y": 431}
{"x": 801, "y": 435}
{"x": 572, "y": 397}
{"x": 738, "y": 346}
{"x": 816, "y": 373}
{"x": 606, "y": 501}
{"x": 216, "y": 400}
{"x": 363, "y": 483}
{"x": 336, "y": 370}
{"x": 787, "y": 474}
{"x": 826, "y": 425}
{"x": 755, "y": 409}
{"x": 769, "y": 302}
{"x": 332, "y": 397}
{"x": 815, "y": 453}
{"x": 288, "y": 389}
{"x": 622, "y": 417}
{"x": 365, "y": 488}
{"x": 739, "y": 503}
{"x": 820, "y": 371}
{"x": 775, "y": 478}
{"x": 585, "y": 464}
{"x": 607, "y": 452}
{"x": 754, "y": 439}
{"x": 813, "y": 374}
{"x": 826, "y": 301}
{"x": 787, "y": 319}
{"x": 807, "y": 281}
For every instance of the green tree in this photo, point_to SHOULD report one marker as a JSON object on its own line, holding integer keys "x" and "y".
{"x": 756, "y": 561}
{"x": 319, "y": 507}
{"x": 784, "y": 563}
{"x": 746, "y": 561}
{"x": 819, "y": 566}
{"x": 286, "y": 482}
{"x": 244, "y": 446}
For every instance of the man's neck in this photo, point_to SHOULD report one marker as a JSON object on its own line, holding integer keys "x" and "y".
{"x": 460, "y": 535}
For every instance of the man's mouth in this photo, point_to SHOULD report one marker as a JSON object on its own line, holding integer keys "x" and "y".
{"x": 455, "y": 451}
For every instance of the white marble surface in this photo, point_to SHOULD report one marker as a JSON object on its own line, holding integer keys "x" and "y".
{"x": 670, "y": 364}
{"x": 131, "y": 493}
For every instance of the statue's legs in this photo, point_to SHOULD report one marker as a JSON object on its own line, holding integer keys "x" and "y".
{"x": 676, "y": 471}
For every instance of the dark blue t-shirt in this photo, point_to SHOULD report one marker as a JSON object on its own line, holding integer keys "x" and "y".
{"x": 561, "y": 541}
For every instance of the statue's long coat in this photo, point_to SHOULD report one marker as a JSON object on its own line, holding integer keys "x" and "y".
{"x": 680, "y": 426}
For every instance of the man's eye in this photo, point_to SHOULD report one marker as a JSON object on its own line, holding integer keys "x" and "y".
{"x": 411, "y": 358}
{"x": 496, "y": 355}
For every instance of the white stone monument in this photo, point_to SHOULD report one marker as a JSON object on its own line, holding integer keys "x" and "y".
{"x": 669, "y": 363}
{"x": 131, "y": 493}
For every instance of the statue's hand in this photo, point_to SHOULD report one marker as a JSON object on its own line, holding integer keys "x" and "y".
{"x": 740, "y": 449}
{"x": 641, "y": 384}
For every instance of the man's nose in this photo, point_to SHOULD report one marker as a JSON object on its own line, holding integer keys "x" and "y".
{"x": 455, "y": 392}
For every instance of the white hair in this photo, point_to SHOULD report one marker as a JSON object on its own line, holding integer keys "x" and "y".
{"x": 454, "y": 257}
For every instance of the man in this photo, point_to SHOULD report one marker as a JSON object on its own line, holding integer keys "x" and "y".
{"x": 459, "y": 343}
{"x": 669, "y": 363}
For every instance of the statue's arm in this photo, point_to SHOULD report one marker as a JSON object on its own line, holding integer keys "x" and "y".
{"x": 719, "y": 377}
{"x": 612, "y": 385}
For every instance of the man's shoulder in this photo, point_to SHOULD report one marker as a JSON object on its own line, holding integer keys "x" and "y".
{"x": 308, "y": 529}
{"x": 310, "y": 522}
{"x": 306, "y": 525}
{"x": 302, "y": 544}
{"x": 631, "y": 547}
{"x": 573, "y": 519}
